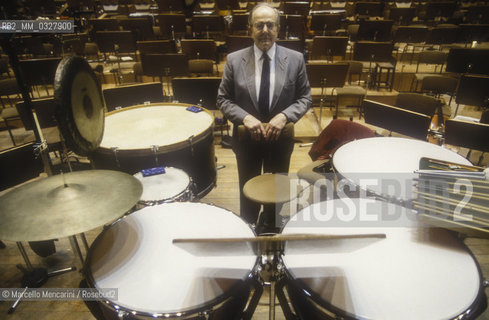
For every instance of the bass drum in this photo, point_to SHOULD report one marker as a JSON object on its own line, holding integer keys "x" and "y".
{"x": 415, "y": 272}
{"x": 156, "y": 278}
{"x": 147, "y": 136}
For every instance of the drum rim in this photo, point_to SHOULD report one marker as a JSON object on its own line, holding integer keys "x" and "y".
{"x": 173, "y": 198}
{"x": 161, "y": 148}
{"x": 180, "y": 314}
{"x": 471, "y": 311}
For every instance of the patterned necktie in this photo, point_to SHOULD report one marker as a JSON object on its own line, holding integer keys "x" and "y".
{"x": 264, "y": 96}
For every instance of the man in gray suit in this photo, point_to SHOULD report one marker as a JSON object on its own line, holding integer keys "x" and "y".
{"x": 263, "y": 87}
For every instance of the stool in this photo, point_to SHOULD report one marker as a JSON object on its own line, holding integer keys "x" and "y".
{"x": 389, "y": 74}
{"x": 272, "y": 191}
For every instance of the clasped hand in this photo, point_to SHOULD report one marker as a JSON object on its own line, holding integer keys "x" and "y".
{"x": 268, "y": 131}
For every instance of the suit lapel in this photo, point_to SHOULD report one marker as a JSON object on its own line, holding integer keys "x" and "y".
{"x": 281, "y": 63}
{"x": 249, "y": 72}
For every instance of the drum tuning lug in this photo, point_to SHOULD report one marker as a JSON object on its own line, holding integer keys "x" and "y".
{"x": 121, "y": 314}
{"x": 486, "y": 283}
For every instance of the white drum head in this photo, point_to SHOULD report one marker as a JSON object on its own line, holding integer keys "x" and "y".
{"x": 163, "y": 186}
{"x": 388, "y": 158}
{"x": 414, "y": 273}
{"x": 144, "y": 127}
{"x": 154, "y": 276}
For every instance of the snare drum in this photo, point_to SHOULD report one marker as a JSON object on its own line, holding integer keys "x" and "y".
{"x": 173, "y": 185}
{"x": 416, "y": 272}
{"x": 147, "y": 136}
{"x": 388, "y": 158}
{"x": 156, "y": 278}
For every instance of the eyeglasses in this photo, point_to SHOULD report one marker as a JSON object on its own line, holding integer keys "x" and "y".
{"x": 261, "y": 25}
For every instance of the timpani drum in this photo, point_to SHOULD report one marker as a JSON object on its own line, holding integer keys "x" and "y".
{"x": 415, "y": 272}
{"x": 153, "y": 135}
{"x": 388, "y": 158}
{"x": 172, "y": 185}
{"x": 158, "y": 279}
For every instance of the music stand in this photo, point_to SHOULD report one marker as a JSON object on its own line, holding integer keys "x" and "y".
{"x": 116, "y": 41}
{"x": 473, "y": 90}
{"x": 370, "y": 9}
{"x": 403, "y": 16}
{"x": 470, "y": 135}
{"x": 326, "y": 75}
{"x": 444, "y": 35}
{"x": 323, "y": 24}
{"x": 395, "y": 119}
{"x": 474, "y": 32}
{"x": 375, "y": 30}
{"x": 156, "y": 46}
{"x": 293, "y": 44}
{"x": 235, "y": 43}
{"x": 133, "y": 95}
{"x": 37, "y": 72}
{"x": 436, "y": 9}
{"x": 296, "y": 7}
{"x": 172, "y": 26}
{"x": 141, "y": 27}
{"x": 327, "y": 47}
{"x": 207, "y": 24}
{"x": 239, "y": 23}
{"x": 292, "y": 26}
{"x": 464, "y": 60}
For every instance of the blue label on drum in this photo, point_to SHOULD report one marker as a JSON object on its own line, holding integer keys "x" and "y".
{"x": 194, "y": 109}
{"x": 153, "y": 171}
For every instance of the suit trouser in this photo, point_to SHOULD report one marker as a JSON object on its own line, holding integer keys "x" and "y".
{"x": 253, "y": 158}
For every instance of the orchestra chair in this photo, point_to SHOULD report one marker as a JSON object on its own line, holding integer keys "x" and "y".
{"x": 323, "y": 24}
{"x": 428, "y": 57}
{"x": 437, "y": 85}
{"x": 328, "y": 47}
{"x": 172, "y": 25}
{"x": 208, "y": 26}
{"x": 334, "y": 135}
{"x": 39, "y": 72}
{"x": 292, "y": 26}
{"x": 394, "y": 119}
{"x": 130, "y": 95}
{"x": 235, "y": 43}
{"x": 413, "y": 36}
{"x": 326, "y": 75}
{"x": 142, "y": 28}
{"x": 402, "y": 16}
{"x": 239, "y": 24}
{"x": 202, "y": 91}
{"x": 356, "y": 68}
{"x": 470, "y": 135}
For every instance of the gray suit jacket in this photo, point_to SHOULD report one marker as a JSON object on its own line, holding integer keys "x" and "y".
{"x": 237, "y": 93}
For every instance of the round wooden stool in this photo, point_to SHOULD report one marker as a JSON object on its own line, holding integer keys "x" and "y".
{"x": 272, "y": 191}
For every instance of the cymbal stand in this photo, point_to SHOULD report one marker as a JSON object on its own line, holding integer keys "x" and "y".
{"x": 33, "y": 277}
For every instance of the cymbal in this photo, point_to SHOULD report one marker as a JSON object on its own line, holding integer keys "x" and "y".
{"x": 65, "y": 205}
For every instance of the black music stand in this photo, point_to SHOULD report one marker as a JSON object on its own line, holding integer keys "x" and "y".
{"x": 172, "y": 26}
{"x": 39, "y": 72}
{"x": 375, "y": 30}
{"x": 296, "y": 7}
{"x": 239, "y": 24}
{"x": 235, "y": 43}
{"x": 205, "y": 25}
{"x": 474, "y": 32}
{"x": 395, "y": 119}
{"x": 294, "y": 44}
{"x": 437, "y": 9}
{"x": 464, "y": 60}
{"x": 142, "y": 28}
{"x": 327, "y": 75}
{"x": 446, "y": 34}
{"x": 403, "y": 16}
{"x": 323, "y": 24}
{"x": 116, "y": 41}
{"x": 327, "y": 47}
{"x": 292, "y": 26}
{"x": 369, "y": 9}
{"x": 473, "y": 90}
{"x": 470, "y": 135}
{"x": 125, "y": 96}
